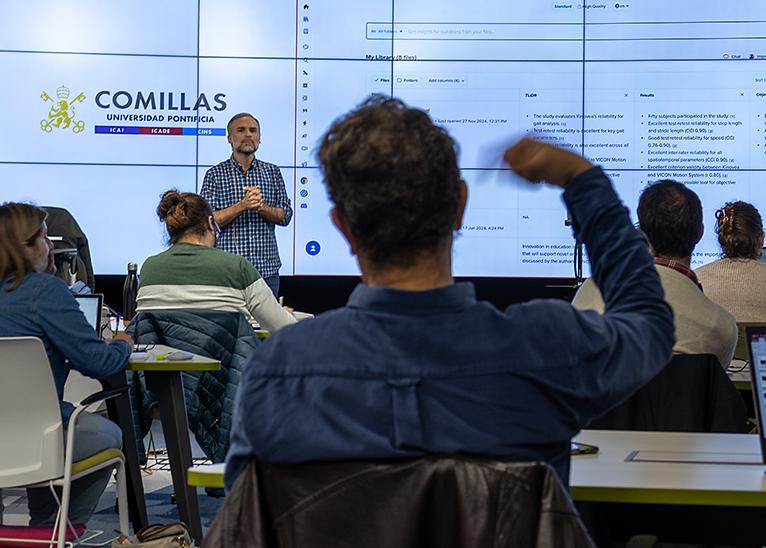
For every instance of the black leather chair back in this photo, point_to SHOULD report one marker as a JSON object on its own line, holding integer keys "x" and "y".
{"x": 429, "y": 502}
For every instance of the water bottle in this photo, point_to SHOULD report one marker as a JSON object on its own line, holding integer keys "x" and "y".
{"x": 129, "y": 292}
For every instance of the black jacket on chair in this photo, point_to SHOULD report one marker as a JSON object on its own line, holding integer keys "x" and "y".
{"x": 429, "y": 502}
{"x": 692, "y": 394}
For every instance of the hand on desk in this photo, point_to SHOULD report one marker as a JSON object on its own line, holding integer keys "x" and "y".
{"x": 122, "y": 336}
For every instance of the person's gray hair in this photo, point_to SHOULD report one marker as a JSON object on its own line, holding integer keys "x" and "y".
{"x": 241, "y": 115}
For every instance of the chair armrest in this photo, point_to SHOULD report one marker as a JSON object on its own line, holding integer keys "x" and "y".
{"x": 103, "y": 395}
{"x": 93, "y": 398}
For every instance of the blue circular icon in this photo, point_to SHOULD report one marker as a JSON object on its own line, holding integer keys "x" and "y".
{"x": 313, "y": 248}
{"x": 304, "y": 193}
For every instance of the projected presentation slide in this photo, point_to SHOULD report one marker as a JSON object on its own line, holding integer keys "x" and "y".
{"x": 117, "y": 202}
{"x": 107, "y": 107}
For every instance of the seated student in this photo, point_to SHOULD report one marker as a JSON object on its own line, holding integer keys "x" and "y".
{"x": 192, "y": 273}
{"x": 414, "y": 364}
{"x": 34, "y": 303}
{"x": 670, "y": 215}
{"x": 738, "y": 280}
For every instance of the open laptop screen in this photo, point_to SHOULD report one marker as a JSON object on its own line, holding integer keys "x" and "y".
{"x": 91, "y": 307}
{"x": 756, "y": 337}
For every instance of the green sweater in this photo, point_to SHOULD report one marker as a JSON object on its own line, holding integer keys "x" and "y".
{"x": 197, "y": 276}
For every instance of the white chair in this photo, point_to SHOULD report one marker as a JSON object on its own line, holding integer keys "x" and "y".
{"x": 78, "y": 387}
{"x": 30, "y": 425}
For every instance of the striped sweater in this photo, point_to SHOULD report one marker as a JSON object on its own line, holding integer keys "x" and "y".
{"x": 197, "y": 276}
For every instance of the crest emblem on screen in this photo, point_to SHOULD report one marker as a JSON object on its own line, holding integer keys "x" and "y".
{"x": 62, "y": 114}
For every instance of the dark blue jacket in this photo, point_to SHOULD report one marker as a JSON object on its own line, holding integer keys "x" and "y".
{"x": 404, "y": 373}
{"x": 43, "y": 307}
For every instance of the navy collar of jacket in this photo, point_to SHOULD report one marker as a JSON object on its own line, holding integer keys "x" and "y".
{"x": 444, "y": 299}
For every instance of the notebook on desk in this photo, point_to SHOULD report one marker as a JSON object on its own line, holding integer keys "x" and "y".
{"x": 756, "y": 339}
{"x": 91, "y": 306}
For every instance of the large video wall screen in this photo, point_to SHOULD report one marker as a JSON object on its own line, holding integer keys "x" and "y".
{"x": 108, "y": 104}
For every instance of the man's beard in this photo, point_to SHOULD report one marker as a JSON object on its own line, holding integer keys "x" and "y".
{"x": 247, "y": 149}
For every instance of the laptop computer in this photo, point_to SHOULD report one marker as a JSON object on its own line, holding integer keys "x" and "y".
{"x": 756, "y": 338}
{"x": 91, "y": 306}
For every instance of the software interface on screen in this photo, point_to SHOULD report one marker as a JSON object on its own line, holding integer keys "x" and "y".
{"x": 758, "y": 349}
{"x": 91, "y": 308}
{"x": 110, "y": 106}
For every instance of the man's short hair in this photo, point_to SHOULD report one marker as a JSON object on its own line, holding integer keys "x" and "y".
{"x": 393, "y": 177}
{"x": 237, "y": 117}
{"x": 671, "y": 217}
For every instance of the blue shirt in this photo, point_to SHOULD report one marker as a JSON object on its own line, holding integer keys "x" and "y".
{"x": 248, "y": 235}
{"x": 42, "y": 306}
{"x": 402, "y": 373}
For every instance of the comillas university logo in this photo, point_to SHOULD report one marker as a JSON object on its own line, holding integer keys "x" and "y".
{"x": 183, "y": 112}
{"x": 151, "y": 109}
{"x": 62, "y": 114}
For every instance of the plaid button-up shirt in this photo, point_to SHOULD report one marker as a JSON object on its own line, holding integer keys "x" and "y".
{"x": 249, "y": 235}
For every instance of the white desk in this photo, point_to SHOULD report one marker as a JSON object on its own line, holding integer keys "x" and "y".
{"x": 678, "y": 502}
{"x": 160, "y": 358}
{"x": 607, "y": 477}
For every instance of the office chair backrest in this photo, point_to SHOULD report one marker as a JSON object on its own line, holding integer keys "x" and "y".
{"x": 62, "y": 223}
{"x": 78, "y": 387}
{"x": 445, "y": 502}
{"x": 692, "y": 394}
{"x": 30, "y": 414}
